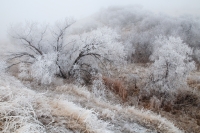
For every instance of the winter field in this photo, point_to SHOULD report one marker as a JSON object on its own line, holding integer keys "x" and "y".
{"x": 121, "y": 70}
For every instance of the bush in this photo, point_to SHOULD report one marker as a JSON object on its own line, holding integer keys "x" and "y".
{"x": 172, "y": 64}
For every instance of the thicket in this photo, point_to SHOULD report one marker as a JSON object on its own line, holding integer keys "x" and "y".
{"x": 139, "y": 29}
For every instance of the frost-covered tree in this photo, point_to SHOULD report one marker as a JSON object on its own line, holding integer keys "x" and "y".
{"x": 49, "y": 51}
{"x": 90, "y": 52}
{"x": 139, "y": 28}
{"x": 45, "y": 68}
{"x": 172, "y": 64}
{"x": 41, "y": 46}
{"x": 37, "y": 41}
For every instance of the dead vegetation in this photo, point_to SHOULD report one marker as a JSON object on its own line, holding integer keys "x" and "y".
{"x": 71, "y": 108}
{"x": 116, "y": 86}
{"x": 182, "y": 107}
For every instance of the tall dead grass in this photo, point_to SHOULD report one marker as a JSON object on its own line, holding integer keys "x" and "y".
{"x": 116, "y": 86}
{"x": 118, "y": 114}
{"x": 23, "y": 110}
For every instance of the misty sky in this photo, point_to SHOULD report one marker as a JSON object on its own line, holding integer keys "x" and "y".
{"x": 49, "y": 11}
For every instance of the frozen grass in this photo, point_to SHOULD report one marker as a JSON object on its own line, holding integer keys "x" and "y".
{"x": 23, "y": 110}
{"x": 16, "y": 110}
{"x": 118, "y": 115}
{"x": 87, "y": 119}
{"x": 71, "y": 108}
{"x": 116, "y": 86}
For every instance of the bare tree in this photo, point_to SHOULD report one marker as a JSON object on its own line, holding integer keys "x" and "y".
{"x": 36, "y": 41}
{"x": 50, "y": 51}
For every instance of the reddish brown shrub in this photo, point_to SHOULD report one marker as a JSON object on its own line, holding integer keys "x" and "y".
{"x": 116, "y": 86}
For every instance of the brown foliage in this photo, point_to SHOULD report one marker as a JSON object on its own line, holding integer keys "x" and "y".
{"x": 116, "y": 86}
{"x": 187, "y": 98}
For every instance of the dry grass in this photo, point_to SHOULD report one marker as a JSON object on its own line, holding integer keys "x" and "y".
{"x": 116, "y": 86}
{"x": 71, "y": 108}
{"x": 194, "y": 81}
{"x": 182, "y": 107}
{"x": 25, "y": 111}
{"x": 118, "y": 114}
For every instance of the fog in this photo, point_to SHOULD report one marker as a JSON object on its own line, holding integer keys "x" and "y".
{"x": 49, "y": 11}
{"x": 100, "y": 66}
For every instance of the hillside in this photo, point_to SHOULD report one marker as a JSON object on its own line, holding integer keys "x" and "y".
{"x": 121, "y": 70}
{"x": 69, "y": 108}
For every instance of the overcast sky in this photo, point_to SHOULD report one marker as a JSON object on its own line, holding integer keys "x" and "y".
{"x": 49, "y": 11}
